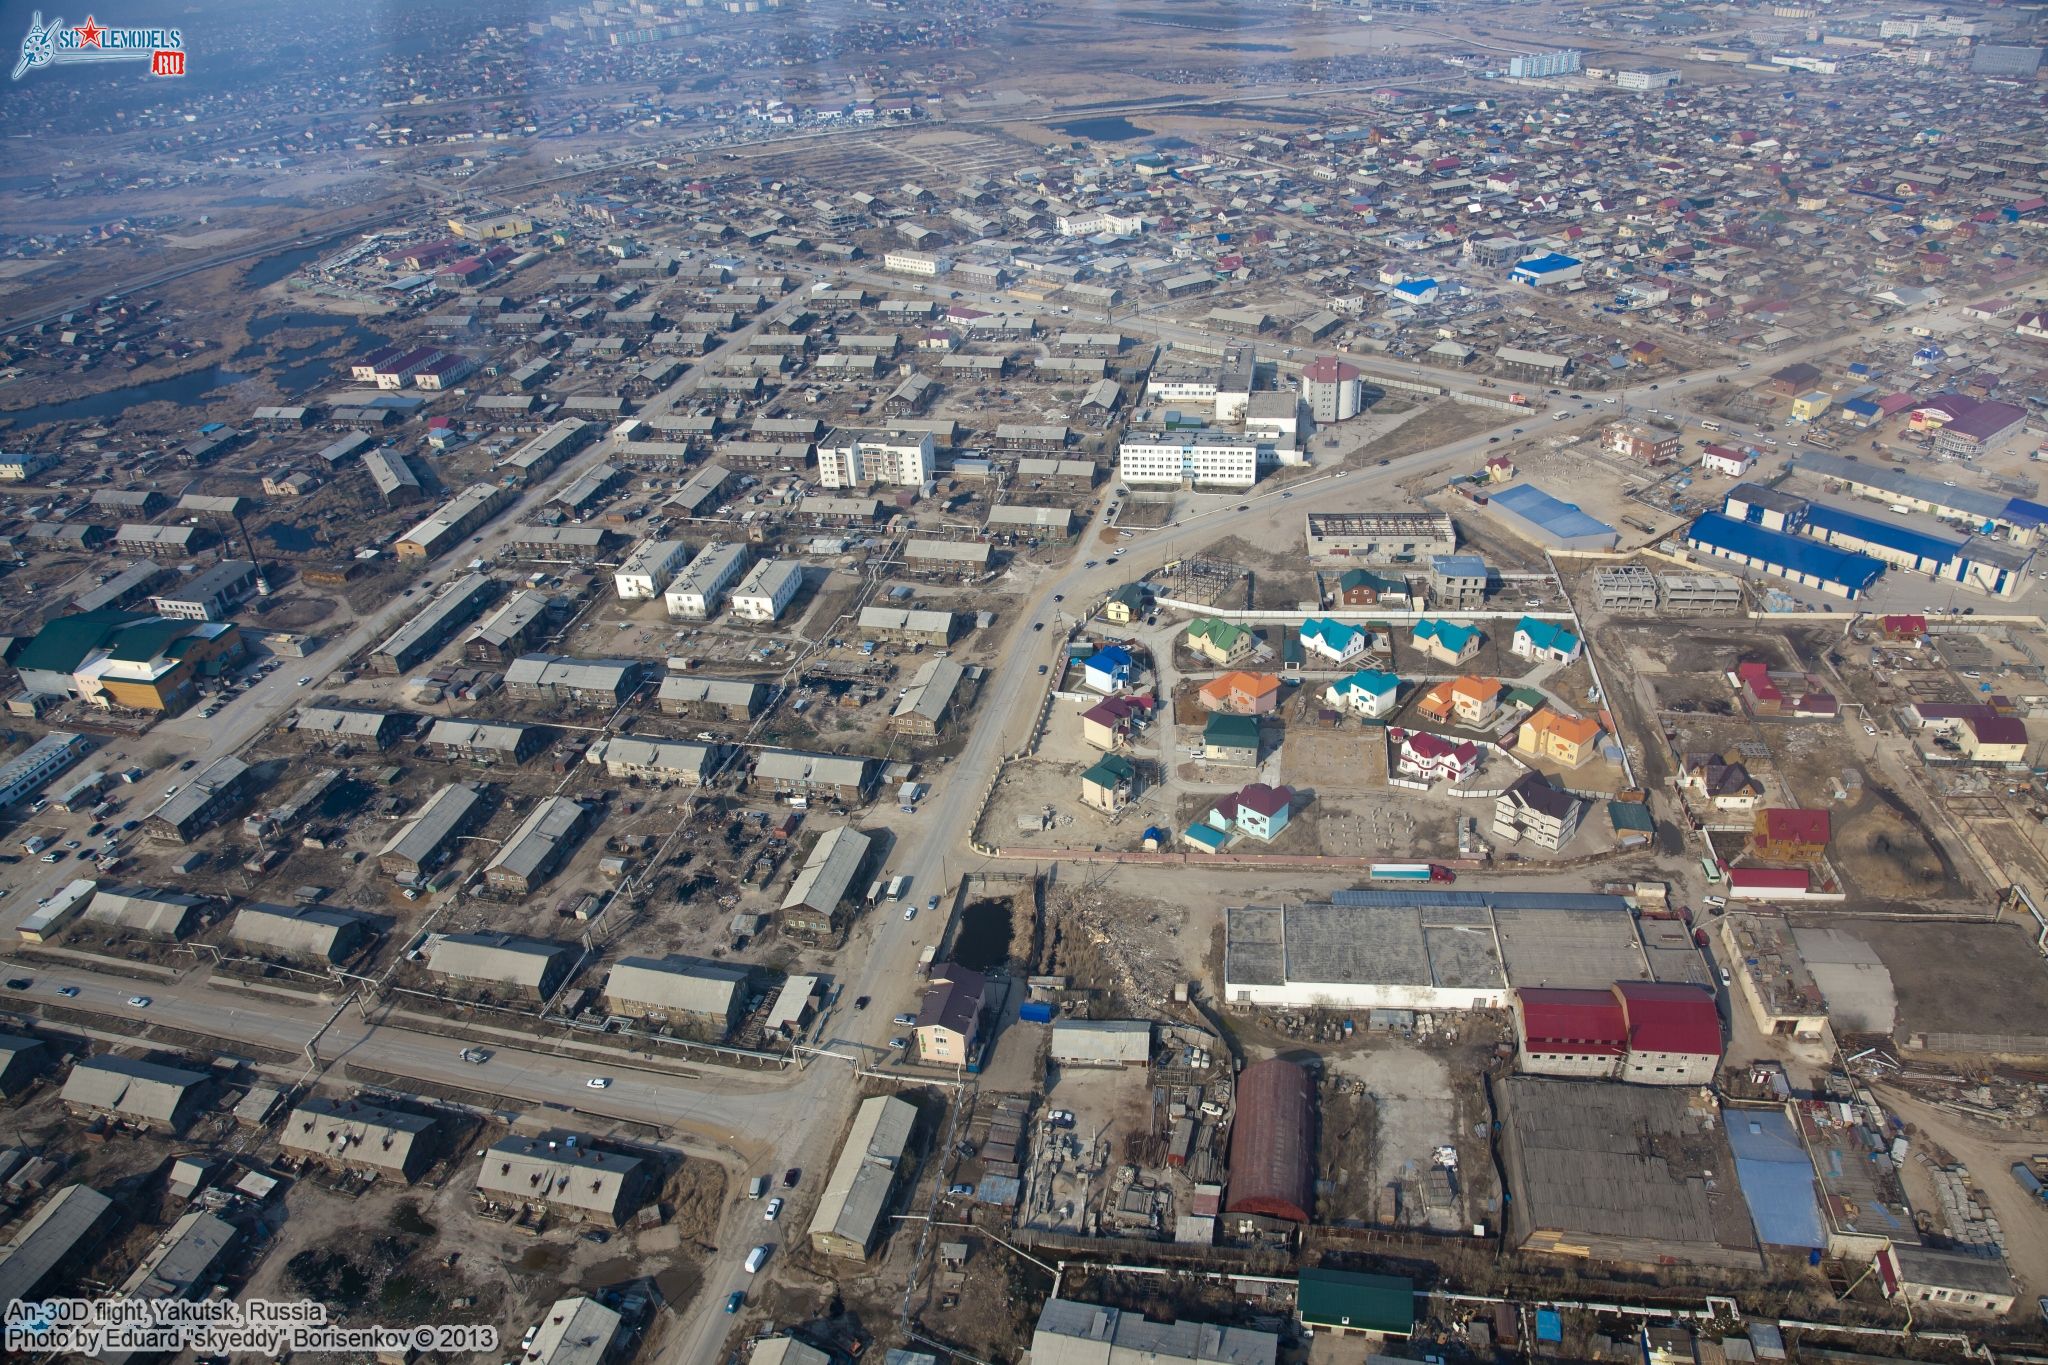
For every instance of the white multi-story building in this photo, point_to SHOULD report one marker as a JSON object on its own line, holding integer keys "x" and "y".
{"x": 651, "y": 564}
{"x": 768, "y": 590}
{"x": 700, "y": 589}
{"x": 916, "y": 263}
{"x": 1536, "y": 65}
{"x": 849, "y": 458}
{"x": 1333, "y": 390}
{"x": 1088, "y": 224}
{"x": 1179, "y": 458}
{"x": 1648, "y": 78}
{"x": 1225, "y": 390}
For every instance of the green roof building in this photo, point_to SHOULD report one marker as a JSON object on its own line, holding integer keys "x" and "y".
{"x": 1231, "y": 739}
{"x": 1346, "y": 1301}
{"x": 1218, "y": 640}
{"x": 1110, "y": 784}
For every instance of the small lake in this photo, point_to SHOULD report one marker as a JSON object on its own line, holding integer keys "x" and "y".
{"x": 296, "y": 369}
{"x": 271, "y": 269}
{"x": 184, "y": 390}
{"x": 1112, "y": 128}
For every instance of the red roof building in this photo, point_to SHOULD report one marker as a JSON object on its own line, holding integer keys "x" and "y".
{"x": 1272, "y": 1146}
{"x": 1762, "y": 883}
{"x": 1674, "y": 1033}
{"x": 1785, "y": 833}
{"x": 1644, "y": 1032}
{"x": 1570, "y": 1032}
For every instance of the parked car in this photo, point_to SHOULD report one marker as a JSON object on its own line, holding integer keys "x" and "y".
{"x": 774, "y": 1210}
{"x": 906, "y": 1020}
{"x": 735, "y": 1300}
{"x": 899, "y": 1044}
{"x": 19, "y": 983}
{"x": 140, "y": 1002}
{"x": 68, "y": 992}
{"x": 791, "y": 1176}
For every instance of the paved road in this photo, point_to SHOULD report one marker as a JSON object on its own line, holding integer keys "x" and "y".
{"x": 717, "y": 1106}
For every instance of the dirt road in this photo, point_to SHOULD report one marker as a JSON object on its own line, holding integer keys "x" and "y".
{"x": 1988, "y": 1156}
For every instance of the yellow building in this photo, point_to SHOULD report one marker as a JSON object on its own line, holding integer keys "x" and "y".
{"x": 491, "y": 229}
{"x": 1808, "y": 406}
{"x": 1558, "y": 738}
{"x": 156, "y": 665}
{"x": 1125, "y": 605}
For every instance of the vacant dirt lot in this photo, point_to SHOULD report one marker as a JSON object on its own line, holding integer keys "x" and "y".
{"x": 1943, "y": 974}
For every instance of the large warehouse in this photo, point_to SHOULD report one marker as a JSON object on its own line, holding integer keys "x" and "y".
{"x": 1536, "y": 516}
{"x": 1439, "y": 950}
{"x": 1839, "y": 573}
{"x": 1272, "y": 1146}
{"x": 1620, "y": 1173}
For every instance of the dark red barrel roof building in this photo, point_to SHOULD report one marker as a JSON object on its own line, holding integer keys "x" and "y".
{"x": 1272, "y": 1146}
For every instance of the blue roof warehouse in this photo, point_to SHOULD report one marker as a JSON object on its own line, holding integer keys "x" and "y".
{"x": 1840, "y": 573}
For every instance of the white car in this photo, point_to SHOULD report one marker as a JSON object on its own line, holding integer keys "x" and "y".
{"x": 1869, "y": 729}
{"x": 303, "y": 681}
{"x": 774, "y": 1210}
{"x": 598, "y": 1082}
{"x": 140, "y": 1002}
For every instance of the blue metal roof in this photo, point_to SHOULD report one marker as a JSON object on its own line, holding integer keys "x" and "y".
{"x": 1391, "y": 899}
{"x": 1890, "y": 534}
{"x": 1796, "y": 553}
{"x": 2021, "y": 512}
{"x": 1561, "y": 519}
{"x": 1544, "y": 264}
{"x": 1776, "y": 1178}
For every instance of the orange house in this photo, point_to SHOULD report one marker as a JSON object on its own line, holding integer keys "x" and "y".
{"x": 1469, "y": 700}
{"x": 1552, "y": 735}
{"x": 1241, "y": 694}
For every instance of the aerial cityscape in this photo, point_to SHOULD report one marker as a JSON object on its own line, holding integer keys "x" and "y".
{"x": 784, "y": 682}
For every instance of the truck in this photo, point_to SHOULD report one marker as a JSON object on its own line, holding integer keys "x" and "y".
{"x": 926, "y": 958}
{"x": 898, "y": 884}
{"x": 2029, "y": 1182}
{"x": 1411, "y": 872}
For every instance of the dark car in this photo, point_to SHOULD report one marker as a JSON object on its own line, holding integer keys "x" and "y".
{"x": 791, "y": 1176}
{"x": 1244, "y": 507}
{"x": 860, "y": 1002}
{"x": 735, "y": 1300}
{"x": 19, "y": 983}
{"x": 1038, "y": 625}
{"x": 1653, "y": 388}
{"x": 188, "y": 765}
{"x": 1493, "y": 440}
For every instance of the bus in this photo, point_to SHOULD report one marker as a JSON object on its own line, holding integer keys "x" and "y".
{"x": 1711, "y": 868}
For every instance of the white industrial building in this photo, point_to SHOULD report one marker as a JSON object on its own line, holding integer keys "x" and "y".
{"x": 1440, "y": 950}
{"x": 649, "y": 568}
{"x": 767, "y": 592}
{"x": 852, "y": 458}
